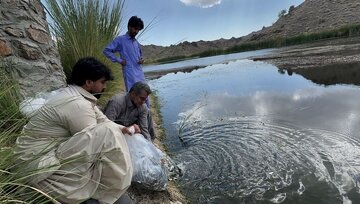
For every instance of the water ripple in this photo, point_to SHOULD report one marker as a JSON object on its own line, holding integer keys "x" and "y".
{"x": 266, "y": 160}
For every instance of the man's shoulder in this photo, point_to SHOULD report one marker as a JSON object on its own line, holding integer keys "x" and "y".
{"x": 119, "y": 98}
{"x": 121, "y": 37}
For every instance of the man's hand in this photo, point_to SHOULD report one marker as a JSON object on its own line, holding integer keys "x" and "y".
{"x": 141, "y": 61}
{"x": 127, "y": 130}
{"x": 137, "y": 128}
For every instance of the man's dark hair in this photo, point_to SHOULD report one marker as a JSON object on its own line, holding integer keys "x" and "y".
{"x": 138, "y": 86}
{"x": 89, "y": 68}
{"x": 136, "y": 22}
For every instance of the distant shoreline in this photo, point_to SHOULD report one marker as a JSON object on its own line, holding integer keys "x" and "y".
{"x": 316, "y": 54}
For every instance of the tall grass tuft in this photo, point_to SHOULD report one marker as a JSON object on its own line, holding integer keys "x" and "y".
{"x": 11, "y": 120}
{"x": 83, "y": 28}
{"x": 13, "y": 187}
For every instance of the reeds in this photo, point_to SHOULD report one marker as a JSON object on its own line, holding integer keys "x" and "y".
{"x": 83, "y": 28}
{"x": 13, "y": 187}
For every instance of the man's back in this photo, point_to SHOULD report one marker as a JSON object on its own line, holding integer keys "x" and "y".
{"x": 65, "y": 114}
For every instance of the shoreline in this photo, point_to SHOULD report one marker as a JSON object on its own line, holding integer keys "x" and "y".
{"x": 172, "y": 194}
{"x": 315, "y": 54}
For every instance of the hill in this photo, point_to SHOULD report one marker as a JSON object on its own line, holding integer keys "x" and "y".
{"x": 312, "y": 16}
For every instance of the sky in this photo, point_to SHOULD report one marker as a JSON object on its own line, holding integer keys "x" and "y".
{"x": 174, "y": 21}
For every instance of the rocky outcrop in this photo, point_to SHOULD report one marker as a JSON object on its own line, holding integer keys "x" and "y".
{"x": 26, "y": 44}
{"x": 312, "y": 16}
{"x": 309, "y": 17}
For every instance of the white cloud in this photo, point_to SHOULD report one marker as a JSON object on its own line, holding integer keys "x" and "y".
{"x": 201, "y": 3}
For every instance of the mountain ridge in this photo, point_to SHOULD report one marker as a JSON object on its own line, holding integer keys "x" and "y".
{"x": 312, "y": 16}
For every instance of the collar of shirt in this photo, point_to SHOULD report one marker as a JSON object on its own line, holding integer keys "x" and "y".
{"x": 88, "y": 96}
{"x": 128, "y": 37}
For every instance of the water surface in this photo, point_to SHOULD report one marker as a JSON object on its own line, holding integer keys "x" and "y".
{"x": 246, "y": 132}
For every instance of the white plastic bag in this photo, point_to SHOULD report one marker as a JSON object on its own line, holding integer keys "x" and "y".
{"x": 30, "y": 106}
{"x": 150, "y": 171}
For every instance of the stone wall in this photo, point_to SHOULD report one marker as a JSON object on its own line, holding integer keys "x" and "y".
{"x": 25, "y": 42}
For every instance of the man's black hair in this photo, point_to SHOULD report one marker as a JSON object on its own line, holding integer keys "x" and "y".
{"x": 136, "y": 22}
{"x": 138, "y": 86}
{"x": 89, "y": 68}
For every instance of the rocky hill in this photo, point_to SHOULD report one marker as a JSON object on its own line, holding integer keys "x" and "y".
{"x": 309, "y": 17}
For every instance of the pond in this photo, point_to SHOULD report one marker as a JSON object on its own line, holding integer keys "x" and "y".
{"x": 247, "y": 132}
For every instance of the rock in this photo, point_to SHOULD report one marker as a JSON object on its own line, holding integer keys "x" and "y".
{"x": 38, "y": 35}
{"x": 5, "y": 50}
{"x": 14, "y": 32}
{"x": 28, "y": 50}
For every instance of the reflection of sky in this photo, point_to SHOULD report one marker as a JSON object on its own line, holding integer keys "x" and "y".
{"x": 252, "y": 88}
{"x": 336, "y": 110}
{"x": 255, "y": 121}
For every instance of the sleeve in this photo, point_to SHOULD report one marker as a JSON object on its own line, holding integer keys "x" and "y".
{"x": 100, "y": 117}
{"x": 112, "y": 109}
{"x": 143, "y": 123}
{"x": 140, "y": 50}
{"x": 79, "y": 115}
{"x": 111, "y": 49}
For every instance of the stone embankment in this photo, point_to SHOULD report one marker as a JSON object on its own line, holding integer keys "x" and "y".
{"x": 26, "y": 44}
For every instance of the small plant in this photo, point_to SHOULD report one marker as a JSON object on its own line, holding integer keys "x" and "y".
{"x": 282, "y": 13}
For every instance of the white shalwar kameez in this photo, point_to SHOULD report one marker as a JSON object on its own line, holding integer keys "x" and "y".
{"x": 77, "y": 152}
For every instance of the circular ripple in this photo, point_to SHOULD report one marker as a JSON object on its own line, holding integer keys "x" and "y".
{"x": 252, "y": 158}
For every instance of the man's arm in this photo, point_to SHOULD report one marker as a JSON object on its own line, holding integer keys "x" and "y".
{"x": 113, "y": 108}
{"x": 79, "y": 115}
{"x": 111, "y": 49}
{"x": 141, "y": 60}
{"x": 143, "y": 123}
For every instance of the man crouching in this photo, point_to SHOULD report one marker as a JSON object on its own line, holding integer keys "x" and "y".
{"x": 70, "y": 148}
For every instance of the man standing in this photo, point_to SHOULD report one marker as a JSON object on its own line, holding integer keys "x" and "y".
{"x": 130, "y": 52}
{"x": 70, "y": 148}
{"x": 129, "y": 109}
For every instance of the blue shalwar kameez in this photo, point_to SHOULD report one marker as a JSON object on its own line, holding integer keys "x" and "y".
{"x": 129, "y": 50}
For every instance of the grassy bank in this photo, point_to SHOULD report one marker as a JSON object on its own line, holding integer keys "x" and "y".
{"x": 343, "y": 32}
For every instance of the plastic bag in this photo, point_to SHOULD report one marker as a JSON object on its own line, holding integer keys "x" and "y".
{"x": 31, "y": 105}
{"x": 150, "y": 171}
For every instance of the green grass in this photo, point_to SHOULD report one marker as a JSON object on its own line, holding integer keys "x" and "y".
{"x": 83, "y": 28}
{"x": 343, "y": 32}
{"x": 13, "y": 187}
